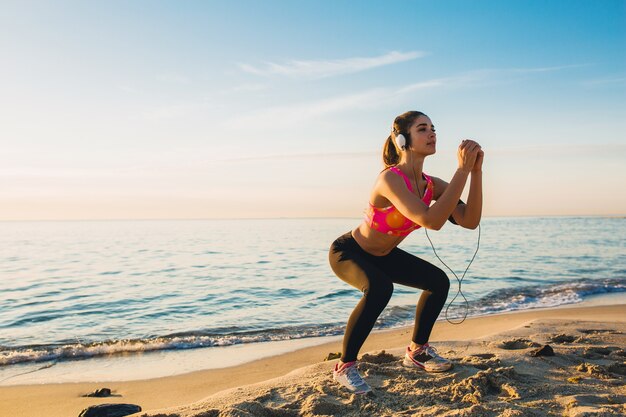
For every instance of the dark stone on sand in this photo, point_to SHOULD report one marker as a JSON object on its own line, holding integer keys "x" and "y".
{"x": 102, "y": 392}
{"x": 110, "y": 410}
{"x": 332, "y": 356}
{"x": 546, "y": 350}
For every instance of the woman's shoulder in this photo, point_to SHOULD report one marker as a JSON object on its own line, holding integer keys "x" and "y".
{"x": 389, "y": 174}
{"x": 391, "y": 179}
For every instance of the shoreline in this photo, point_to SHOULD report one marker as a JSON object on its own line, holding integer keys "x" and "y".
{"x": 173, "y": 363}
{"x": 63, "y": 399}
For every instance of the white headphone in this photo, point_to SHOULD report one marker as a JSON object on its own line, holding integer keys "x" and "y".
{"x": 401, "y": 141}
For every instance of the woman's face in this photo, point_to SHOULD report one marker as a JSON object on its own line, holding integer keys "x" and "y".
{"x": 423, "y": 136}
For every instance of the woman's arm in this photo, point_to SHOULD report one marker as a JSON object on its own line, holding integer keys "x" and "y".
{"x": 467, "y": 215}
{"x": 472, "y": 211}
{"x": 393, "y": 188}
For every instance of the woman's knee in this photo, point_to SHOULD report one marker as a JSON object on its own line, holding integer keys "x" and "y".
{"x": 380, "y": 291}
{"x": 441, "y": 284}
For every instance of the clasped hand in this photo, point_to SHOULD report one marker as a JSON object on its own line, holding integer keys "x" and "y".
{"x": 470, "y": 156}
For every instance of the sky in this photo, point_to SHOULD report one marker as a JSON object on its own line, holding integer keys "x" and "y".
{"x": 250, "y": 109}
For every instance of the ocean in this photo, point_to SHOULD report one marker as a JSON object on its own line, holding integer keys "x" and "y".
{"x": 79, "y": 290}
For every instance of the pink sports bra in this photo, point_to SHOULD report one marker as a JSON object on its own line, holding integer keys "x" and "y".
{"x": 388, "y": 219}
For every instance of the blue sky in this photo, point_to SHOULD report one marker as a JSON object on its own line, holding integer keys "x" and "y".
{"x": 152, "y": 109}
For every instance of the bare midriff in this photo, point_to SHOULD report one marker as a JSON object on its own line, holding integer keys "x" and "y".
{"x": 374, "y": 242}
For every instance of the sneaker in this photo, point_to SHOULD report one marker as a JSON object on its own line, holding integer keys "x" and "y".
{"x": 426, "y": 358}
{"x": 348, "y": 376}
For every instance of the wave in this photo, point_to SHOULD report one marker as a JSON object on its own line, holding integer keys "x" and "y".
{"x": 178, "y": 341}
{"x": 497, "y": 301}
{"x": 521, "y": 298}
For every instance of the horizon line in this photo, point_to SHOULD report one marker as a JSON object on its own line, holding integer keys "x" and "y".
{"x": 608, "y": 216}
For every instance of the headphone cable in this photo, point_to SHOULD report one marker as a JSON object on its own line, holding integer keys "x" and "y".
{"x": 457, "y": 278}
{"x": 446, "y": 265}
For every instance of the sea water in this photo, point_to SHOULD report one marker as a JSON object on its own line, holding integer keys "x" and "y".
{"x": 77, "y": 290}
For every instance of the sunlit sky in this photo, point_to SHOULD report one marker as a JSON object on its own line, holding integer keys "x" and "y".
{"x": 206, "y": 109}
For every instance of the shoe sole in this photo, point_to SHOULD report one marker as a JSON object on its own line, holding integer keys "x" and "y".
{"x": 361, "y": 392}
{"x": 353, "y": 392}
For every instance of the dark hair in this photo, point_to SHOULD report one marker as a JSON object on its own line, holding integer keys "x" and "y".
{"x": 401, "y": 124}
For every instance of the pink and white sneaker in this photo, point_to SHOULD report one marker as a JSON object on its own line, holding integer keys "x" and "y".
{"x": 348, "y": 376}
{"x": 426, "y": 358}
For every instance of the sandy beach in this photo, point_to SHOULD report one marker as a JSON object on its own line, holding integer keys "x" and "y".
{"x": 494, "y": 374}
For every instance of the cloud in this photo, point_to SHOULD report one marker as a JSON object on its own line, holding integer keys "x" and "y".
{"x": 605, "y": 81}
{"x": 439, "y": 82}
{"x": 329, "y": 68}
{"x": 546, "y": 69}
{"x": 293, "y": 114}
{"x": 482, "y": 76}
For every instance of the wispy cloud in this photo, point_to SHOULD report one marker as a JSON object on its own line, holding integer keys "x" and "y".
{"x": 546, "y": 69}
{"x": 482, "y": 77}
{"x": 296, "y": 113}
{"x": 605, "y": 81}
{"x": 329, "y": 68}
{"x": 438, "y": 82}
{"x": 292, "y": 114}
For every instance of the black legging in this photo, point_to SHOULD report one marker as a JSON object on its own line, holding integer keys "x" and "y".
{"x": 375, "y": 276}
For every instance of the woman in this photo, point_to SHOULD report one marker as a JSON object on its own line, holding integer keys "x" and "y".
{"x": 368, "y": 258}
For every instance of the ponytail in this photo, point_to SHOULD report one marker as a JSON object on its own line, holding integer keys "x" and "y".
{"x": 391, "y": 153}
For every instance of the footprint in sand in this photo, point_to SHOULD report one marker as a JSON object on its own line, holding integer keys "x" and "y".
{"x": 617, "y": 368}
{"x": 380, "y": 357}
{"x": 603, "y": 371}
{"x": 518, "y": 343}
{"x": 491, "y": 382}
{"x": 599, "y": 331}
{"x": 562, "y": 338}
{"x": 589, "y": 404}
{"x": 596, "y": 352}
{"x": 481, "y": 361}
{"x": 618, "y": 354}
{"x": 568, "y": 338}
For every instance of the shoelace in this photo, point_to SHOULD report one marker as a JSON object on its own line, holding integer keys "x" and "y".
{"x": 433, "y": 353}
{"x": 429, "y": 350}
{"x": 354, "y": 377}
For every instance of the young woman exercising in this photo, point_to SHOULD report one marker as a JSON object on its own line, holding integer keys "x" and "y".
{"x": 368, "y": 257}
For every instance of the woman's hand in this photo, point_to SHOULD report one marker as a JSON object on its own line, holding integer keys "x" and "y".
{"x": 467, "y": 155}
{"x": 478, "y": 165}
